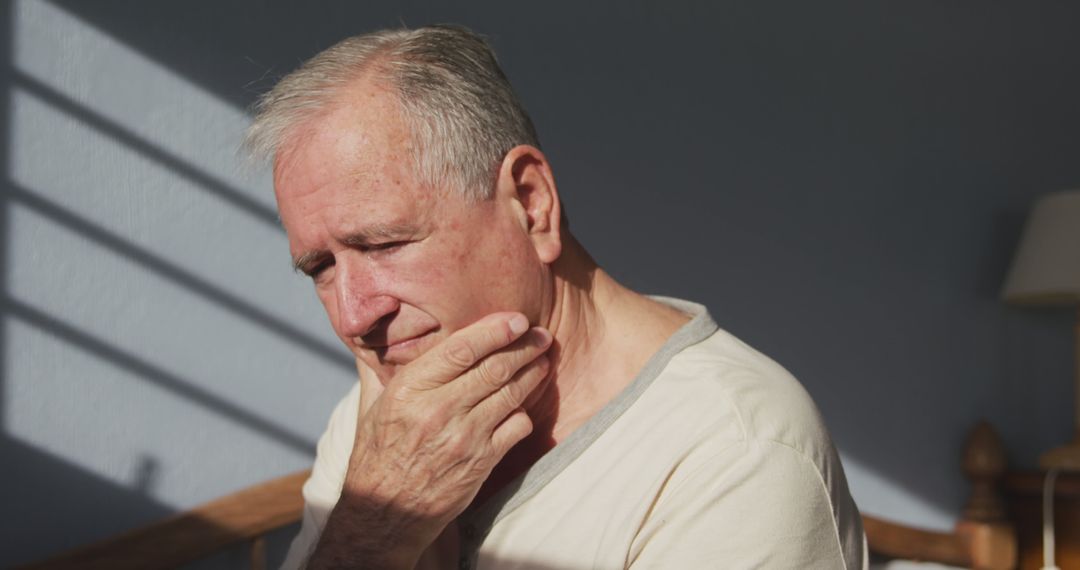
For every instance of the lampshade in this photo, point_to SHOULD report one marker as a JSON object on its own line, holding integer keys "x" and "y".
{"x": 1046, "y": 269}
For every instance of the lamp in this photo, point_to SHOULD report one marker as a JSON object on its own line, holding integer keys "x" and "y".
{"x": 1046, "y": 272}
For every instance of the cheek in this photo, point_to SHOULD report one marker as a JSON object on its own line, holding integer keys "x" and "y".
{"x": 417, "y": 279}
{"x": 469, "y": 276}
{"x": 504, "y": 272}
{"x": 453, "y": 282}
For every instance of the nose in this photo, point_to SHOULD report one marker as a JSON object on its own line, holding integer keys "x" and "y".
{"x": 360, "y": 305}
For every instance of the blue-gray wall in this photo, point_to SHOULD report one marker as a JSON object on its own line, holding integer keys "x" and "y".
{"x": 841, "y": 183}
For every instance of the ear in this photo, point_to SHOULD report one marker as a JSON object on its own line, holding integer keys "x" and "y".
{"x": 526, "y": 182}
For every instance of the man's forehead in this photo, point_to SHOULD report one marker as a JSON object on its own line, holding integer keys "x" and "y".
{"x": 360, "y": 133}
{"x": 353, "y": 205}
{"x": 325, "y": 155}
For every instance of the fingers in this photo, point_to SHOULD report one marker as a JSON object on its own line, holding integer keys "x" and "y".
{"x": 492, "y": 373}
{"x": 516, "y": 427}
{"x": 512, "y": 394}
{"x": 468, "y": 346}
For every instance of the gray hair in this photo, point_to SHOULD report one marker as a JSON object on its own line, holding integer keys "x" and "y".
{"x": 459, "y": 106}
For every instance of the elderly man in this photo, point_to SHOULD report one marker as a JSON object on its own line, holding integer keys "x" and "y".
{"x": 516, "y": 407}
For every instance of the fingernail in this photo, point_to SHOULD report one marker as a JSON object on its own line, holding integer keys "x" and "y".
{"x": 541, "y": 336}
{"x": 519, "y": 324}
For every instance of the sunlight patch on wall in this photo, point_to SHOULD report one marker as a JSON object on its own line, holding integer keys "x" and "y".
{"x": 155, "y": 334}
{"x": 115, "y": 81}
{"x": 71, "y": 164}
{"x": 107, "y": 421}
{"x": 878, "y": 495}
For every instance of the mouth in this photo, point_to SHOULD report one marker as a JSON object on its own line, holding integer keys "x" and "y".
{"x": 399, "y": 350}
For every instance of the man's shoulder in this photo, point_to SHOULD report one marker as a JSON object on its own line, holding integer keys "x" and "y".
{"x": 739, "y": 395}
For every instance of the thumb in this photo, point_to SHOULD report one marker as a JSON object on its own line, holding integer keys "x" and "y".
{"x": 370, "y": 386}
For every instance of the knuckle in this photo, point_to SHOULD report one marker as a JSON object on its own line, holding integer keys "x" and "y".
{"x": 428, "y": 423}
{"x": 435, "y": 416}
{"x": 494, "y": 371}
{"x": 457, "y": 444}
{"x": 510, "y": 399}
{"x": 459, "y": 354}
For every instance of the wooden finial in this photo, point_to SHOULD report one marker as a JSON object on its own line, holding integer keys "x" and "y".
{"x": 984, "y": 466}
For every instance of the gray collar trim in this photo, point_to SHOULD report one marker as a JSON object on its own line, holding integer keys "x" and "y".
{"x": 479, "y": 521}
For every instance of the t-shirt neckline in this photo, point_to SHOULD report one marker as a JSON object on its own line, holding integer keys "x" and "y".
{"x": 476, "y": 522}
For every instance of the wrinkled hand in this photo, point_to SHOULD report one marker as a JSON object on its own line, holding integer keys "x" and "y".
{"x": 427, "y": 441}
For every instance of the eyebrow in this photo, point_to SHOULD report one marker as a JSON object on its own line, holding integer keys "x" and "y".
{"x": 371, "y": 234}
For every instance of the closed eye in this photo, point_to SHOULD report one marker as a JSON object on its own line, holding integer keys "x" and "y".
{"x": 314, "y": 264}
{"x": 386, "y": 247}
{"x": 316, "y": 270}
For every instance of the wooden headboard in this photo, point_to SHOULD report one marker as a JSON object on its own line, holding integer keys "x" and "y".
{"x": 244, "y": 516}
{"x": 983, "y": 538}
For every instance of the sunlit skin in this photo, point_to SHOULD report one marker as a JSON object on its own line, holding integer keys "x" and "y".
{"x": 449, "y": 262}
{"x": 400, "y": 267}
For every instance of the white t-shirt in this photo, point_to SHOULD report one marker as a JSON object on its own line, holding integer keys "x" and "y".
{"x": 713, "y": 457}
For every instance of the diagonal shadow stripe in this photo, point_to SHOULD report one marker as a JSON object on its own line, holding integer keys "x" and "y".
{"x": 169, "y": 271}
{"x": 7, "y": 42}
{"x": 146, "y": 148}
{"x": 158, "y": 376}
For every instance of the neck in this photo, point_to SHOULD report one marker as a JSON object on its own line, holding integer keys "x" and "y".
{"x": 583, "y": 295}
{"x": 603, "y": 336}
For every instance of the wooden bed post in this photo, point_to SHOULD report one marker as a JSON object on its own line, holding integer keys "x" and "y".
{"x": 984, "y": 526}
{"x": 983, "y": 538}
